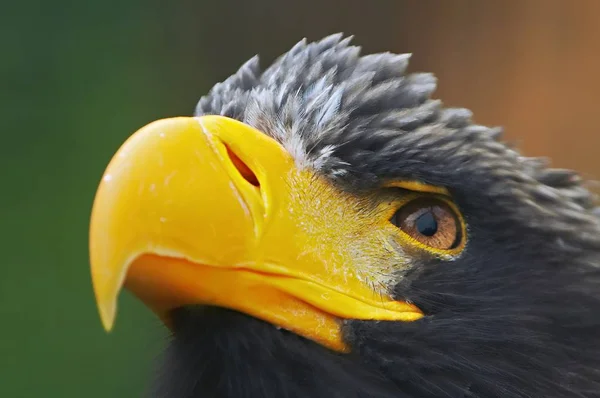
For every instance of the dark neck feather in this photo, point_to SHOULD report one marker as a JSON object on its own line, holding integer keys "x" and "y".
{"x": 225, "y": 354}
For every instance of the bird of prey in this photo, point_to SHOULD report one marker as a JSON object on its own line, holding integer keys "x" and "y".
{"x": 325, "y": 228}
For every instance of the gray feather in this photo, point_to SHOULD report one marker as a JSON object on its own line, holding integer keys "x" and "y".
{"x": 361, "y": 120}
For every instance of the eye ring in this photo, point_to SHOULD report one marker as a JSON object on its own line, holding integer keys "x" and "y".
{"x": 431, "y": 222}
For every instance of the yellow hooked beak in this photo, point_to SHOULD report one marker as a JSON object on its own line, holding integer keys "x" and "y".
{"x": 208, "y": 210}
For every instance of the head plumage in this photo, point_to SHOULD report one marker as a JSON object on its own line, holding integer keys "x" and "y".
{"x": 344, "y": 114}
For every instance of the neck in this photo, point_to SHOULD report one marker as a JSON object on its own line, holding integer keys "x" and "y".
{"x": 220, "y": 353}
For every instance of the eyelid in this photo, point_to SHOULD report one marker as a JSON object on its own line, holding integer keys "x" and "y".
{"x": 417, "y": 186}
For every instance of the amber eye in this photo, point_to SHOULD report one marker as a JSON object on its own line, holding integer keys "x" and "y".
{"x": 430, "y": 221}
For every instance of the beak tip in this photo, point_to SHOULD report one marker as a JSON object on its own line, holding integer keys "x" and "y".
{"x": 107, "y": 316}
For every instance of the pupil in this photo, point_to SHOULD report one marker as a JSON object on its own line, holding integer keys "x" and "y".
{"x": 426, "y": 224}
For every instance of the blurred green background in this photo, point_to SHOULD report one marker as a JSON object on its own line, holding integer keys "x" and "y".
{"x": 79, "y": 77}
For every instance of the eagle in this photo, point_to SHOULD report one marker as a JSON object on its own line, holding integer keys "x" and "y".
{"x": 324, "y": 227}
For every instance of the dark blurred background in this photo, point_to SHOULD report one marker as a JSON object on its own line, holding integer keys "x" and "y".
{"x": 79, "y": 77}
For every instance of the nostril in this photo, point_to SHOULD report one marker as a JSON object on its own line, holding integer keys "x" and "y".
{"x": 243, "y": 169}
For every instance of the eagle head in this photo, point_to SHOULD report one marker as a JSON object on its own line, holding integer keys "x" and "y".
{"x": 324, "y": 228}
